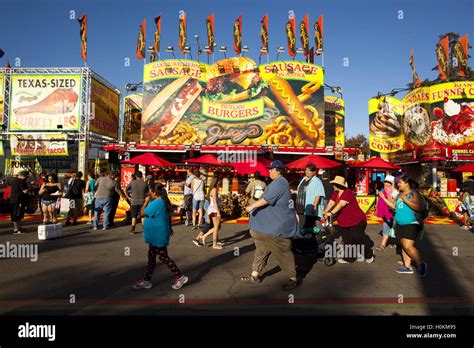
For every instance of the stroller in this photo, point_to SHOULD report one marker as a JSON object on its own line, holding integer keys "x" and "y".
{"x": 186, "y": 211}
{"x": 314, "y": 240}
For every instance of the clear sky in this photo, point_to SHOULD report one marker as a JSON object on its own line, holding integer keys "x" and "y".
{"x": 376, "y": 37}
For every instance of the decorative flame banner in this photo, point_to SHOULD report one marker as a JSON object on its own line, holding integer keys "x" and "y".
{"x": 416, "y": 78}
{"x": 442, "y": 54}
{"x": 141, "y": 42}
{"x": 304, "y": 36}
{"x": 238, "y": 35}
{"x": 83, "y": 33}
{"x": 264, "y": 34}
{"x": 318, "y": 35}
{"x": 210, "y": 33}
{"x": 182, "y": 31}
{"x": 461, "y": 48}
{"x": 290, "y": 28}
{"x": 156, "y": 42}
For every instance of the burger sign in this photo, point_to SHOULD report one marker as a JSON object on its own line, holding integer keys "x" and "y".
{"x": 234, "y": 91}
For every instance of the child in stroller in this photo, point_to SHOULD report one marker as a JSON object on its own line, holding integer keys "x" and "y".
{"x": 186, "y": 210}
{"x": 313, "y": 240}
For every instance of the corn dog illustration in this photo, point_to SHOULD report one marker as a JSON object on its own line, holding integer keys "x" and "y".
{"x": 294, "y": 108}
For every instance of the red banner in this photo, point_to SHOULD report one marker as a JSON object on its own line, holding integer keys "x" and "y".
{"x": 318, "y": 36}
{"x": 141, "y": 42}
{"x": 157, "y": 40}
{"x": 264, "y": 34}
{"x": 83, "y": 33}
{"x": 210, "y": 33}
{"x": 442, "y": 54}
{"x": 304, "y": 35}
{"x": 182, "y": 31}
{"x": 461, "y": 49}
{"x": 126, "y": 176}
{"x": 291, "y": 36}
{"x": 238, "y": 35}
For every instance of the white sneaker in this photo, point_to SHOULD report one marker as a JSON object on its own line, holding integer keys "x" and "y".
{"x": 342, "y": 261}
{"x": 142, "y": 284}
{"x": 372, "y": 259}
{"x": 465, "y": 227}
{"x": 178, "y": 284}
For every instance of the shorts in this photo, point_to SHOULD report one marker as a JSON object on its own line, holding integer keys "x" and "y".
{"x": 135, "y": 210}
{"x": 410, "y": 231}
{"x": 387, "y": 226}
{"x": 48, "y": 202}
{"x": 197, "y": 205}
{"x": 17, "y": 211}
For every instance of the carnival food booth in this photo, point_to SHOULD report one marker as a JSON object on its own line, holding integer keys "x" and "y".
{"x": 243, "y": 114}
{"x": 56, "y": 119}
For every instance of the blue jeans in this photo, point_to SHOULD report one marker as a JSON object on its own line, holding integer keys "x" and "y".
{"x": 102, "y": 204}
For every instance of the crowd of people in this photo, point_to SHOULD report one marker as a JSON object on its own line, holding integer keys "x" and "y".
{"x": 277, "y": 214}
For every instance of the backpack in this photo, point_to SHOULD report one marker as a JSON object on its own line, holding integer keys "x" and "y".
{"x": 424, "y": 213}
{"x": 257, "y": 192}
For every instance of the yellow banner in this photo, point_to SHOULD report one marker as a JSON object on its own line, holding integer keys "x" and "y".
{"x": 454, "y": 205}
{"x": 39, "y": 144}
{"x": 387, "y": 145}
{"x": 174, "y": 69}
{"x": 452, "y": 90}
{"x": 45, "y": 102}
{"x": 385, "y": 125}
{"x": 292, "y": 70}
{"x": 334, "y": 121}
{"x": 105, "y": 110}
{"x": 365, "y": 202}
{"x": 2, "y": 153}
{"x": 132, "y": 111}
{"x": 14, "y": 166}
{"x": 236, "y": 112}
{"x": 176, "y": 198}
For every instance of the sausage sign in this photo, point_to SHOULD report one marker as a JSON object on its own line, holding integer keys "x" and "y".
{"x": 233, "y": 102}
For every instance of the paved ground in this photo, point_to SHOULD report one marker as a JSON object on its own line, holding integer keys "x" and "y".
{"x": 95, "y": 271}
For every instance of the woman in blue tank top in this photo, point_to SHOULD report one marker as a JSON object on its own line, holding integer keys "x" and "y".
{"x": 407, "y": 227}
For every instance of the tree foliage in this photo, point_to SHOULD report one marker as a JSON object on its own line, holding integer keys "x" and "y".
{"x": 359, "y": 141}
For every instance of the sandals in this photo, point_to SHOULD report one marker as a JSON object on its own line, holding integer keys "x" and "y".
{"x": 217, "y": 246}
{"x": 250, "y": 279}
{"x": 380, "y": 248}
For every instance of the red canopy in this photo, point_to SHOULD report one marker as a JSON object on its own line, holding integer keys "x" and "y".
{"x": 205, "y": 159}
{"x": 377, "y": 163}
{"x": 318, "y": 161}
{"x": 247, "y": 168}
{"x": 465, "y": 168}
{"x": 150, "y": 159}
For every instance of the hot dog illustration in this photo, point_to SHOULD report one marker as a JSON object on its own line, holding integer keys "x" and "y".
{"x": 167, "y": 108}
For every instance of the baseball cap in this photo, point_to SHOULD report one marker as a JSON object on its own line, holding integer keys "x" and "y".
{"x": 149, "y": 177}
{"x": 277, "y": 164}
{"x": 390, "y": 179}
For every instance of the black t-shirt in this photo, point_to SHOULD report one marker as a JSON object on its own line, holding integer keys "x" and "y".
{"x": 78, "y": 187}
{"x": 18, "y": 196}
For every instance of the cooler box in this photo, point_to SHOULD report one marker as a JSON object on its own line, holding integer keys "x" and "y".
{"x": 50, "y": 231}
